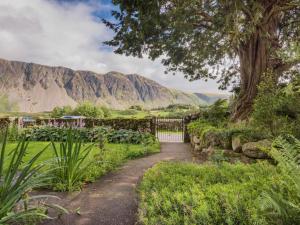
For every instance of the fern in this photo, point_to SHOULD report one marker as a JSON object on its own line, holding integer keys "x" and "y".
{"x": 285, "y": 209}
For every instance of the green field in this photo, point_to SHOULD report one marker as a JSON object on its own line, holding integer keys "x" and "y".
{"x": 121, "y": 152}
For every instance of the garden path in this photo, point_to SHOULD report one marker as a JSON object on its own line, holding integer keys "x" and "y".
{"x": 113, "y": 200}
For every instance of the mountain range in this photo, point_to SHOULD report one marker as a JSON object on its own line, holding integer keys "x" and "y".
{"x": 36, "y": 88}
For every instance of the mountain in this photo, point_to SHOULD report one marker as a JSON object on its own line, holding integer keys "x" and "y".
{"x": 38, "y": 88}
{"x": 211, "y": 98}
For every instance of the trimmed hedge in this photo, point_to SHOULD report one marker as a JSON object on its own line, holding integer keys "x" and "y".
{"x": 46, "y": 133}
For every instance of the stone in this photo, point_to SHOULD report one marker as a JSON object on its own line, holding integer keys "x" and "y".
{"x": 196, "y": 140}
{"x": 253, "y": 149}
{"x": 237, "y": 144}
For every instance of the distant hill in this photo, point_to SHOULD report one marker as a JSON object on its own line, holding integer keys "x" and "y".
{"x": 210, "y": 98}
{"x": 38, "y": 88}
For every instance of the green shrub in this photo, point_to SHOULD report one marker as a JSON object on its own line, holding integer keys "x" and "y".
{"x": 129, "y": 136}
{"x": 277, "y": 108}
{"x": 58, "y": 112}
{"x": 69, "y": 163}
{"x": 181, "y": 193}
{"x": 284, "y": 209}
{"x": 47, "y": 133}
{"x": 88, "y": 110}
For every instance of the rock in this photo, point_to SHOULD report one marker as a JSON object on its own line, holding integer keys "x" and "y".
{"x": 237, "y": 144}
{"x": 252, "y": 149}
{"x": 196, "y": 140}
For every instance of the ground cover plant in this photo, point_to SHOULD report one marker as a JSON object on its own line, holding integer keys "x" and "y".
{"x": 185, "y": 193}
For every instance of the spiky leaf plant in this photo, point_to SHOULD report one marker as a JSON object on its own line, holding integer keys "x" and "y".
{"x": 285, "y": 209}
{"x": 70, "y": 162}
{"x": 17, "y": 179}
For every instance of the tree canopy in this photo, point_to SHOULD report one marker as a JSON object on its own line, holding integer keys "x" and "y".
{"x": 234, "y": 41}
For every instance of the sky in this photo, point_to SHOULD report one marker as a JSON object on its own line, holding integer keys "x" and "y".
{"x": 70, "y": 33}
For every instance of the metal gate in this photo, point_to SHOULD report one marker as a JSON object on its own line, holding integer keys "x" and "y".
{"x": 170, "y": 129}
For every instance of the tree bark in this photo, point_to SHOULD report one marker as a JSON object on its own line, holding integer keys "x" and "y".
{"x": 255, "y": 59}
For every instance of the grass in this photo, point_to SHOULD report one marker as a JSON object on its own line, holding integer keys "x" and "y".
{"x": 100, "y": 161}
{"x": 187, "y": 194}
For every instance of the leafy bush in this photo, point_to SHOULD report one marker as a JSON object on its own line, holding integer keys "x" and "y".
{"x": 69, "y": 163}
{"x": 181, "y": 193}
{"x": 88, "y": 110}
{"x": 129, "y": 136}
{"x": 277, "y": 108}
{"x": 217, "y": 114}
{"x": 58, "y": 112}
{"x": 47, "y": 133}
{"x": 284, "y": 209}
{"x": 17, "y": 179}
{"x": 96, "y": 134}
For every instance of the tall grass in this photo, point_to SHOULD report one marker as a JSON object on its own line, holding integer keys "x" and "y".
{"x": 70, "y": 162}
{"x": 17, "y": 179}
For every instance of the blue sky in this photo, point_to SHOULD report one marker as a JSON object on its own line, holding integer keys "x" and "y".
{"x": 70, "y": 33}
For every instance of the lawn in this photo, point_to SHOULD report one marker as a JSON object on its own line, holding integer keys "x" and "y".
{"x": 100, "y": 162}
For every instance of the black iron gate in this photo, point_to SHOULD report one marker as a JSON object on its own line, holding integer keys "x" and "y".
{"x": 170, "y": 129}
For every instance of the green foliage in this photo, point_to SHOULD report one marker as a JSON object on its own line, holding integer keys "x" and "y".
{"x": 192, "y": 34}
{"x": 284, "y": 209}
{"x": 106, "y": 112}
{"x": 88, "y": 110}
{"x": 47, "y": 133}
{"x": 276, "y": 108}
{"x": 180, "y": 193}
{"x": 129, "y": 136}
{"x": 136, "y": 107}
{"x": 217, "y": 136}
{"x": 70, "y": 163}
{"x": 17, "y": 178}
{"x": 58, "y": 112}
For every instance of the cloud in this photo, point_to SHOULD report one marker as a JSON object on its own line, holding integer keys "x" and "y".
{"x": 67, "y": 34}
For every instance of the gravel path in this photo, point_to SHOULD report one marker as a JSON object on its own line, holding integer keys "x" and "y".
{"x": 112, "y": 200}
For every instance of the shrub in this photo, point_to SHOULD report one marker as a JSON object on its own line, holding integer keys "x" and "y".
{"x": 277, "y": 108}
{"x": 47, "y": 133}
{"x": 129, "y": 136}
{"x": 284, "y": 209}
{"x": 69, "y": 163}
{"x": 182, "y": 193}
{"x": 58, "y": 112}
{"x": 88, "y": 110}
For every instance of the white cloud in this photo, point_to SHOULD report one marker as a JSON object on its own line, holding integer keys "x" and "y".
{"x": 45, "y": 32}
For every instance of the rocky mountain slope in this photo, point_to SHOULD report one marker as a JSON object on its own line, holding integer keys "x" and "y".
{"x": 40, "y": 88}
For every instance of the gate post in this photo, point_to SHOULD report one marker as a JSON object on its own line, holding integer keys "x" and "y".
{"x": 186, "y": 136}
{"x": 153, "y": 126}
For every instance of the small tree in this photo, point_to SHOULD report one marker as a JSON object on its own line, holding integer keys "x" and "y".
{"x": 89, "y": 110}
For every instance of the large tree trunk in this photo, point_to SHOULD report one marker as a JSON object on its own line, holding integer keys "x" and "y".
{"x": 255, "y": 59}
{"x": 253, "y": 63}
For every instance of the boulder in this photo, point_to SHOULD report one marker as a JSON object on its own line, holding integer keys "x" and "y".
{"x": 237, "y": 144}
{"x": 253, "y": 149}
